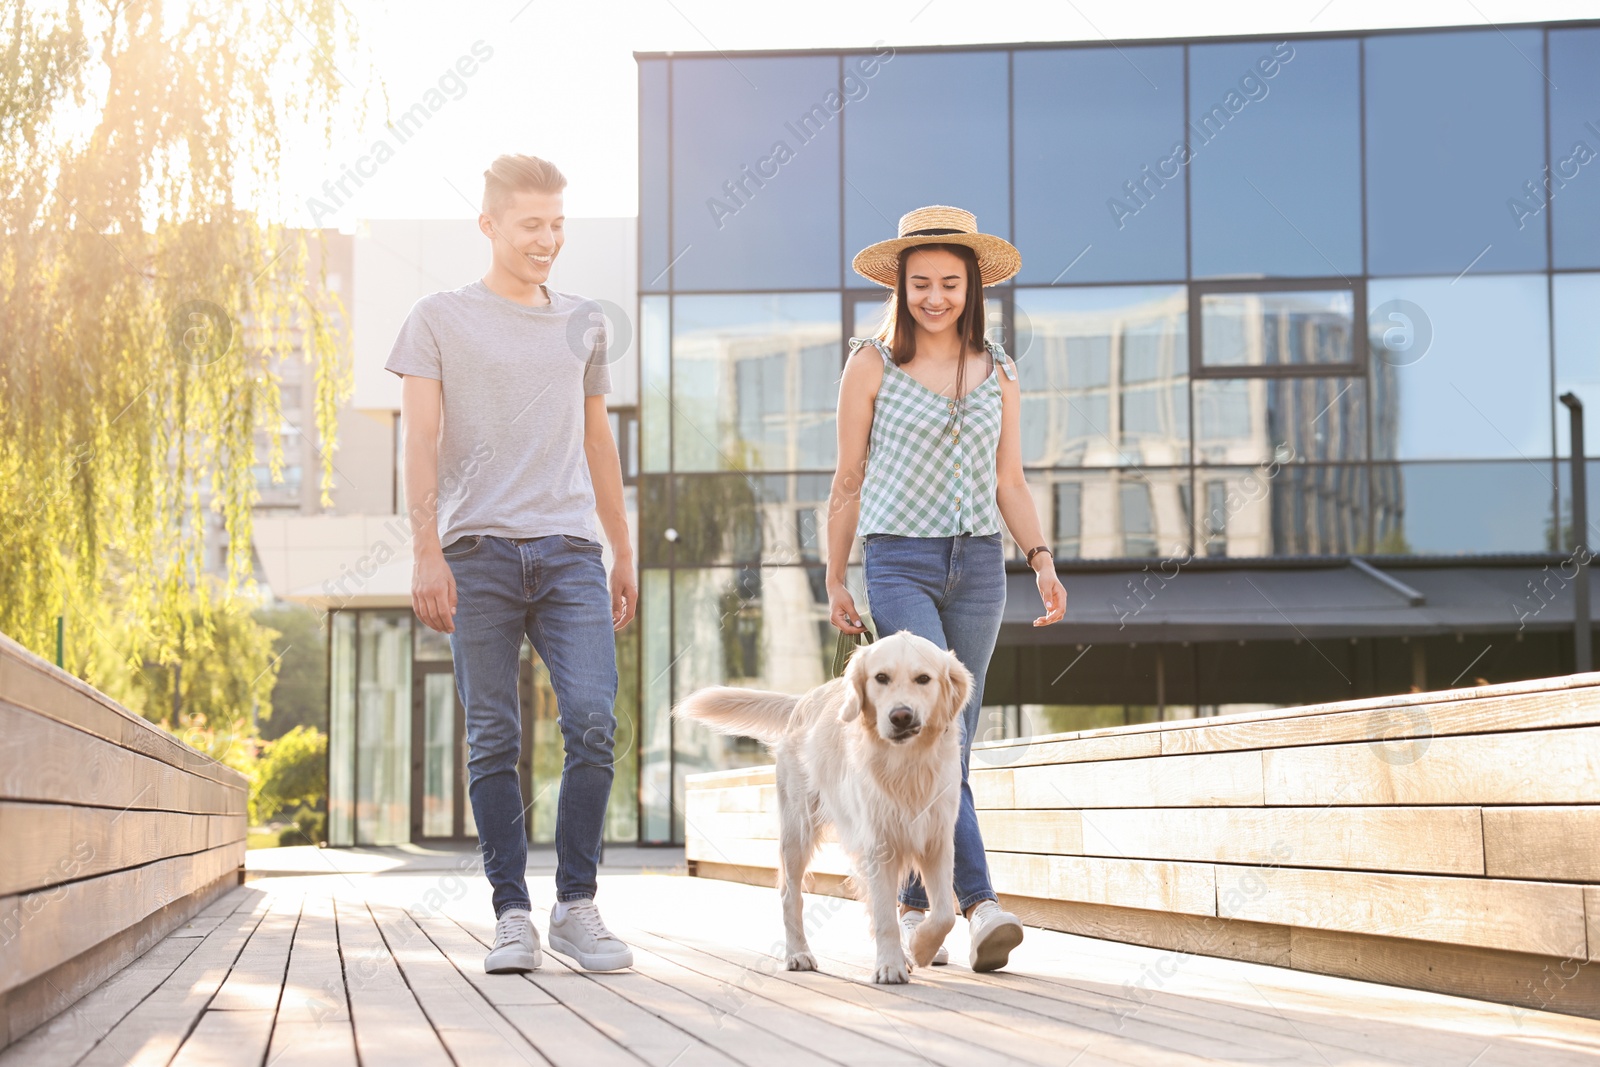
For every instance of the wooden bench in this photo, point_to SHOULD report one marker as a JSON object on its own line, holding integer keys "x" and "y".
{"x": 1447, "y": 841}
{"x": 113, "y": 833}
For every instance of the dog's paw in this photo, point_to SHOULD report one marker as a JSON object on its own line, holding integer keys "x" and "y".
{"x": 891, "y": 974}
{"x": 800, "y": 961}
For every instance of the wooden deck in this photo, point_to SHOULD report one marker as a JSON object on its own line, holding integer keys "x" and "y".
{"x": 385, "y": 969}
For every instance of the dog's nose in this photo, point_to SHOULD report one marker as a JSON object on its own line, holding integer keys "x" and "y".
{"x": 900, "y": 718}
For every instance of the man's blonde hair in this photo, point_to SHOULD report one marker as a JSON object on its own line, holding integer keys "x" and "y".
{"x": 518, "y": 174}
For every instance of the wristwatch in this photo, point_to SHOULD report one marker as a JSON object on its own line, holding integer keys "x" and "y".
{"x": 1035, "y": 551}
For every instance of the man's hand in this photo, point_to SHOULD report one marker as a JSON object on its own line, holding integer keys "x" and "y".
{"x": 433, "y": 591}
{"x": 624, "y": 592}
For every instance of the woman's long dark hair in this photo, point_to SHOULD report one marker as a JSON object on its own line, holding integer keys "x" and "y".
{"x": 900, "y": 328}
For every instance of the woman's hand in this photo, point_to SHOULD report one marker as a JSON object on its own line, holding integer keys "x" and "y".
{"x": 1051, "y": 591}
{"x": 842, "y": 610}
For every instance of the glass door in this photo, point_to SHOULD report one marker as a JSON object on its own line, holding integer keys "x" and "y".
{"x": 439, "y": 768}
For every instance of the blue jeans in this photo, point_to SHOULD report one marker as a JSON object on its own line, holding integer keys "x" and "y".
{"x": 554, "y": 590}
{"x": 951, "y": 590}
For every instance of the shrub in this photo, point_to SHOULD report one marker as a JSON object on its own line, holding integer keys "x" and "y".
{"x": 292, "y": 772}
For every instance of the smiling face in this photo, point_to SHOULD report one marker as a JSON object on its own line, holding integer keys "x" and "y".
{"x": 936, "y": 288}
{"x": 527, "y": 234}
{"x": 905, "y": 687}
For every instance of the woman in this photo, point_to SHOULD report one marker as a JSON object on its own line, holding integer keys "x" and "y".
{"x": 928, "y": 466}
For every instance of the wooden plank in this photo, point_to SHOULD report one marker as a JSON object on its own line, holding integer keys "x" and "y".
{"x": 724, "y": 825}
{"x": 1559, "y": 844}
{"x": 1083, "y": 747}
{"x": 992, "y": 789}
{"x": 1223, "y": 778}
{"x": 48, "y": 927}
{"x": 255, "y": 983}
{"x": 152, "y": 1032}
{"x": 327, "y": 1044}
{"x": 26, "y": 681}
{"x": 1397, "y": 723}
{"x": 390, "y": 1026}
{"x": 567, "y": 1040}
{"x": 51, "y": 843}
{"x": 734, "y": 798}
{"x": 1444, "y": 840}
{"x": 466, "y": 954}
{"x": 1533, "y": 917}
{"x": 1203, "y": 935}
{"x": 739, "y": 776}
{"x": 44, "y": 760}
{"x": 828, "y": 859}
{"x": 313, "y": 984}
{"x": 1032, "y": 830}
{"x": 1591, "y": 910}
{"x": 1540, "y": 767}
{"x": 1182, "y": 888}
{"x": 226, "y": 1039}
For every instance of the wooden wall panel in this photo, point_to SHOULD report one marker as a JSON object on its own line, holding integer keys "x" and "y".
{"x": 1223, "y": 778}
{"x": 1559, "y": 844}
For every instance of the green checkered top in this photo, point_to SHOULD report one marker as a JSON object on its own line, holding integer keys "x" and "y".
{"x": 931, "y": 461}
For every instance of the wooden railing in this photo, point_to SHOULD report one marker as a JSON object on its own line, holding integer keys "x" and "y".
{"x": 1447, "y": 841}
{"x": 112, "y": 834}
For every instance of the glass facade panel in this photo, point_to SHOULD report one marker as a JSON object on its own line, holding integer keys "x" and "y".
{"x": 1104, "y": 375}
{"x": 383, "y": 729}
{"x": 1573, "y": 193}
{"x": 1463, "y": 508}
{"x": 1474, "y": 382}
{"x": 1283, "y": 420}
{"x": 342, "y": 729}
{"x": 438, "y": 753}
{"x": 1113, "y": 211}
{"x": 749, "y": 374}
{"x": 1275, "y": 179}
{"x": 755, "y": 172}
{"x": 1114, "y": 514}
{"x": 655, "y": 694}
{"x": 1577, "y": 343}
{"x": 655, "y": 385}
{"x": 775, "y": 519}
{"x": 1277, "y": 329}
{"x": 654, "y": 137}
{"x": 887, "y": 168}
{"x": 1453, "y": 130}
{"x": 1281, "y": 510}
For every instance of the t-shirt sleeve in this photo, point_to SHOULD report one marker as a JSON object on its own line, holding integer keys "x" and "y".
{"x": 597, "y": 374}
{"x": 416, "y": 350}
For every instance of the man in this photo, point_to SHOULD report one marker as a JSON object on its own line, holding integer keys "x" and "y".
{"x": 508, "y": 457}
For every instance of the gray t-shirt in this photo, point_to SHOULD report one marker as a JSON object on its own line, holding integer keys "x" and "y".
{"x": 514, "y": 379}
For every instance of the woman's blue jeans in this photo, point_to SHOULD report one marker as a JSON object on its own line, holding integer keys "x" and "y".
{"x": 554, "y": 590}
{"x": 952, "y": 591}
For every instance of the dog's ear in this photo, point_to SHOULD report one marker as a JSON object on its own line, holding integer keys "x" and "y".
{"x": 855, "y": 687}
{"x": 957, "y": 683}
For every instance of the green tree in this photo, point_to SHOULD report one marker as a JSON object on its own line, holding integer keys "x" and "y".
{"x": 292, "y": 773}
{"x": 145, "y": 295}
{"x": 300, "y": 649}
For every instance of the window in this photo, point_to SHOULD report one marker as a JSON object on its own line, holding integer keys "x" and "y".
{"x": 1275, "y": 179}
{"x": 1250, "y": 329}
{"x": 747, "y": 377}
{"x": 1069, "y": 519}
{"x": 887, "y": 167}
{"x": 1113, "y": 211}
{"x": 654, "y": 256}
{"x": 1474, "y": 381}
{"x": 1454, "y": 127}
{"x": 655, "y": 389}
{"x": 1444, "y": 508}
{"x": 755, "y": 172}
{"x": 1573, "y": 197}
{"x": 1577, "y": 342}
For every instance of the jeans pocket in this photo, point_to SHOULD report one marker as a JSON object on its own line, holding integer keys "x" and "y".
{"x": 462, "y": 547}
{"x": 583, "y": 544}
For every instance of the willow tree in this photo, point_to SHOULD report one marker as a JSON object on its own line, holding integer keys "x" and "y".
{"x": 146, "y": 292}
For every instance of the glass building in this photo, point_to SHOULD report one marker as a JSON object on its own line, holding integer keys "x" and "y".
{"x": 1292, "y": 321}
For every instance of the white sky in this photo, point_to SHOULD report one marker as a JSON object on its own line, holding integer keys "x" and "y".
{"x": 562, "y": 80}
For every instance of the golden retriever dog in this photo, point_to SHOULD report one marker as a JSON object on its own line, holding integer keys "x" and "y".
{"x": 876, "y": 754}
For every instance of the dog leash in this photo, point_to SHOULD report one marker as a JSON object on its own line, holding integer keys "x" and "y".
{"x": 846, "y": 645}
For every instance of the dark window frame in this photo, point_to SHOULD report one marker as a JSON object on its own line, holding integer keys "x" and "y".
{"x": 1356, "y": 367}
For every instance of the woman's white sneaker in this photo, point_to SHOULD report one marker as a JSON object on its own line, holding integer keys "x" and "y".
{"x": 909, "y": 921}
{"x": 994, "y": 934}
{"x": 516, "y": 945}
{"x": 582, "y": 934}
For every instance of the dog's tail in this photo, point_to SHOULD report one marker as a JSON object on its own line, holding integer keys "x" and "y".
{"x": 742, "y": 712}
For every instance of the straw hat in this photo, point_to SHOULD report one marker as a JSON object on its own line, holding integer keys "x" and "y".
{"x": 997, "y": 259}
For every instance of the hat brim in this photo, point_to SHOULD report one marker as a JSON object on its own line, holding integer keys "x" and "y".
{"x": 998, "y": 259}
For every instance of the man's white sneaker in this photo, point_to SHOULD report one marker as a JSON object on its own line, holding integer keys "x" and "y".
{"x": 909, "y": 921}
{"x": 582, "y": 934}
{"x": 994, "y": 934}
{"x": 516, "y": 945}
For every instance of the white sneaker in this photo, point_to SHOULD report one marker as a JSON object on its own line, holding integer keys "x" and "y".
{"x": 909, "y": 921}
{"x": 994, "y": 934}
{"x": 516, "y": 945}
{"x": 582, "y": 934}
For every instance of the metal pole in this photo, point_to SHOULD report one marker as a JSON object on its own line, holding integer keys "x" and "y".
{"x": 1582, "y": 661}
{"x": 61, "y": 641}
